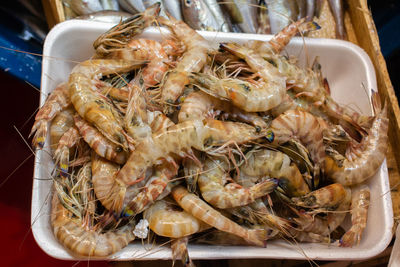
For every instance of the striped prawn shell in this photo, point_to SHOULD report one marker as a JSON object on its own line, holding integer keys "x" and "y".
{"x": 303, "y": 126}
{"x": 364, "y": 161}
{"x": 100, "y": 143}
{"x": 73, "y": 235}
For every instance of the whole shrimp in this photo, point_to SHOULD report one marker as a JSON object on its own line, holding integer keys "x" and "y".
{"x": 199, "y": 105}
{"x": 119, "y": 36}
{"x": 328, "y": 197}
{"x": 324, "y": 226}
{"x": 306, "y": 128}
{"x": 275, "y": 164}
{"x": 90, "y": 105}
{"x": 167, "y": 219}
{"x": 103, "y": 179}
{"x": 74, "y": 235}
{"x": 220, "y": 195}
{"x": 359, "y": 214}
{"x": 247, "y": 96}
{"x": 101, "y": 145}
{"x": 57, "y": 101}
{"x": 273, "y": 85}
{"x": 177, "y": 139}
{"x": 201, "y": 210}
{"x": 145, "y": 49}
{"x": 192, "y": 60}
{"x": 363, "y": 160}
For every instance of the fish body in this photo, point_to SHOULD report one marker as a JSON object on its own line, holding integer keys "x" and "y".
{"x": 232, "y": 10}
{"x": 109, "y": 4}
{"x": 110, "y": 16}
{"x": 83, "y": 7}
{"x": 279, "y": 14}
{"x": 338, "y": 14}
{"x": 311, "y": 5}
{"x": 132, "y": 6}
{"x": 174, "y": 8}
{"x": 197, "y": 15}
{"x": 249, "y": 10}
{"x": 216, "y": 10}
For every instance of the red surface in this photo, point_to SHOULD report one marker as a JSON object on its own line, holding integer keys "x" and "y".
{"x": 17, "y": 245}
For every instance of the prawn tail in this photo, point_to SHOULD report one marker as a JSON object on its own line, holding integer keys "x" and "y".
{"x": 258, "y": 237}
{"x": 351, "y": 237}
{"x": 309, "y": 26}
{"x": 277, "y": 222}
{"x": 62, "y": 161}
{"x": 39, "y": 132}
{"x": 264, "y": 188}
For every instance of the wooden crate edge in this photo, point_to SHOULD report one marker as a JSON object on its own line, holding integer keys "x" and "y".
{"x": 368, "y": 39}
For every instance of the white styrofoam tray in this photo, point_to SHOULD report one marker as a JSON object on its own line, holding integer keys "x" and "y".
{"x": 351, "y": 77}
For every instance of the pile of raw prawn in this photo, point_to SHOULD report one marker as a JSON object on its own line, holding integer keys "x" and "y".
{"x": 234, "y": 146}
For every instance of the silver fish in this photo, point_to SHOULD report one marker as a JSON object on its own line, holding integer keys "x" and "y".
{"x": 174, "y": 8}
{"x": 337, "y": 10}
{"x": 110, "y": 16}
{"x": 310, "y": 9}
{"x": 109, "y": 4}
{"x": 82, "y": 7}
{"x": 197, "y": 15}
{"x": 302, "y": 5}
{"x": 279, "y": 14}
{"x": 248, "y": 9}
{"x": 223, "y": 24}
{"x": 132, "y": 6}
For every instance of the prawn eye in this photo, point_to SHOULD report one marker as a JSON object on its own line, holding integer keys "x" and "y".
{"x": 270, "y": 136}
{"x": 188, "y": 2}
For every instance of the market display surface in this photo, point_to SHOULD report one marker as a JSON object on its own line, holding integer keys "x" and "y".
{"x": 228, "y": 143}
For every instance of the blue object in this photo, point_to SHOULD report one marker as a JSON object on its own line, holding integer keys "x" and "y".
{"x": 15, "y": 58}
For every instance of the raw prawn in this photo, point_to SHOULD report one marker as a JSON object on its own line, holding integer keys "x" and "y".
{"x": 249, "y": 97}
{"x": 90, "y": 105}
{"x": 166, "y": 219}
{"x": 359, "y": 214}
{"x": 178, "y": 139}
{"x": 328, "y": 197}
{"x": 199, "y": 105}
{"x": 144, "y": 49}
{"x": 119, "y": 36}
{"x": 66, "y": 144}
{"x": 201, "y": 210}
{"x": 214, "y": 190}
{"x": 324, "y": 226}
{"x": 101, "y": 145}
{"x": 300, "y": 125}
{"x": 151, "y": 191}
{"x": 57, "y": 101}
{"x": 72, "y": 233}
{"x": 59, "y": 126}
{"x": 364, "y": 159}
{"x": 193, "y": 60}
{"x": 274, "y": 164}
